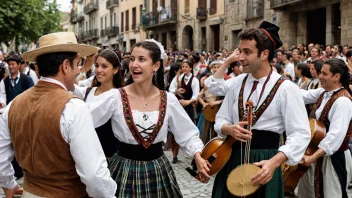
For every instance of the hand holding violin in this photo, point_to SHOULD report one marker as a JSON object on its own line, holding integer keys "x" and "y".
{"x": 203, "y": 168}
{"x": 237, "y": 131}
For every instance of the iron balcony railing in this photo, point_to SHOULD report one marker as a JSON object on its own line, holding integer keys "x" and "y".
{"x": 112, "y": 3}
{"x": 202, "y": 13}
{"x": 92, "y": 6}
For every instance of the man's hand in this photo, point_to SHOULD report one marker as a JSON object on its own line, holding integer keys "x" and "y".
{"x": 88, "y": 63}
{"x": 265, "y": 174}
{"x": 238, "y": 132}
{"x": 202, "y": 167}
{"x": 179, "y": 92}
{"x": 185, "y": 102}
{"x": 235, "y": 56}
{"x": 307, "y": 160}
{"x": 10, "y": 193}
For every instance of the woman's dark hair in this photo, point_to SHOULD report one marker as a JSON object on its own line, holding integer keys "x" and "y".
{"x": 278, "y": 68}
{"x": 190, "y": 63}
{"x": 232, "y": 65}
{"x": 338, "y": 66}
{"x": 112, "y": 58}
{"x": 154, "y": 52}
{"x": 195, "y": 57}
{"x": 173, "y": 70}
{"x": 263, "y": 41}
{"x": 318, "y": 64}
{"x": 304, "y": 70}
{"x": 49, "y": 64}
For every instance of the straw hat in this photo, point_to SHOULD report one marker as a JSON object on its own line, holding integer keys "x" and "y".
{"x": 59, "y": 42}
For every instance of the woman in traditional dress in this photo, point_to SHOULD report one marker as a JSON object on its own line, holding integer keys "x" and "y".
{"x": 108, "y": 76}
{"x": 304, "y": 75}
{"x": 141, "y": 114}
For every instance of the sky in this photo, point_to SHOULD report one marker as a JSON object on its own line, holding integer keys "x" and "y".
{"x": 65, "y": 5}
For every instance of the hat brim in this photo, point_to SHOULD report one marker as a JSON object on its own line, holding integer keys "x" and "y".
{"x": 83, "y": 50}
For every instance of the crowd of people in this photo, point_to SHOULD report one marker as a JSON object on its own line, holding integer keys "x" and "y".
{"x": 100, "y": 119}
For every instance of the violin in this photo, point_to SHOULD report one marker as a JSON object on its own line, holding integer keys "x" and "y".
{"x": 292, "y": 174}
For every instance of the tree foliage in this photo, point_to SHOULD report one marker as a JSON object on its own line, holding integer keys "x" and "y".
{"x": 27, "y": 20}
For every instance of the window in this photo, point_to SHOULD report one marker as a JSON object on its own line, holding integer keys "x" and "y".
{"x": 140, "y": 9}
{"x": 101, "y": 23}
{"x": 127, "y": 20}
{"x": 155, "y": 5}
{"x": 134, "y": 17}
{"x": 114, "y": 19}
{"x": 122, "y": 21}
{"x": 212, "y": 7}
{"x": 111, "y": 22}
{"x": 255, "y": 9}
{"x": 186, "y": 6}
{"x": 231, "y": 1}
{"x": 162, "y": 3}
{"x": 105, "y": 22}
{"x": 202, "y": 4}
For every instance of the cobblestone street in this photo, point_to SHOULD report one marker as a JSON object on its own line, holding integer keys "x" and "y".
{"x": 190, "y": 187}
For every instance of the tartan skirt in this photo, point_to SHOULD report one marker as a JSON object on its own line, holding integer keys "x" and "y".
{"x": 144, "y": 179}
{"x": 273, "y": 189}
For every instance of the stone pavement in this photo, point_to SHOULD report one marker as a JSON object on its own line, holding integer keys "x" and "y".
{"x": 189, "y": 186}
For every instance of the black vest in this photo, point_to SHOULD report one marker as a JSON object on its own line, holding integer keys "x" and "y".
{"x": 22, "y": 85}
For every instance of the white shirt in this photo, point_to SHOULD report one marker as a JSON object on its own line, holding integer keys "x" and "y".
{"x": 286, "y": 112}
{"x": 219, "y": 87}
{"x": 86, "y": 82}
{"x": 77, "y": 129}
{"x": 290, "y": 69}
{"x": 196, "y": 68}
{"x": 104, "y": 107}
{"x": 339, "y": 116}
{"x": 32, "y": 74}
{"x": 195, "y": 85}
{"x": 3, "y": 99}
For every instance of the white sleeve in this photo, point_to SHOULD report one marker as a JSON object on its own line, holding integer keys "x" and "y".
{"x": 85, "y": 147}
{"x": 195, "y": 88}
{"x": 311, "y": 96}
{"x": 34, "y": 76}
{"x": 185, "y": 131}
{"x": 225, "y": 113}
{"x": 339, "y": 116}
{"x": 2, "y": 93}
{"x": 86, "y": 82}
{"x": 173, "y": 85}
{"x": 218, "y": 87}
{"x": 104, "y": 106}
{"x": 80, "y": 91}
{"x": 296, "y": 123}
{"x": 7, "y": 179}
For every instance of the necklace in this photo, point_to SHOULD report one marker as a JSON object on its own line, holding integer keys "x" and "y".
{"x": 144, "y": 105}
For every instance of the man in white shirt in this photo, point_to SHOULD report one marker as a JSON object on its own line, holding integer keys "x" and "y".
{"x": 289, "y": 67}
{"x": 29, "y": 72}
{"x": 330, "y": 167}
{"x": 278, "y": 107}
{"x": 56, "y": 164}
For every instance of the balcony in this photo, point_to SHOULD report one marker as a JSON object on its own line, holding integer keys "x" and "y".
{"x": 202, "y": 14}
{"x": 86, "y": 36}
{"x": 79, "y": 1}
{"x": 103, "y": 32}
{"x": 282, "y": 3}
{"x": 112, "y": 3}
{"x": 94, "y": 33}
{"x": 73, "y": 17}
{"x": 112, "y": 31}
{"x": 91, "y": 7}
{"x": 80, "y": 17}
{"x": 157, "y": 19}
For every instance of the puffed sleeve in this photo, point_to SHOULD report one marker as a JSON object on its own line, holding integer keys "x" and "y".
{"x": 218, "y": 87}
{"x": 80, "y": 91}
{"x": 185, "y": 131}
{"x": 296, "y": 122}
{"x": 340, "y": 116}
{"x": 225, "y": 113}
{"x": 104, "y": 106}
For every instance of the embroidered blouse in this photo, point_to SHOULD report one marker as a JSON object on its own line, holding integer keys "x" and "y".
{"x": 111, "y": 106}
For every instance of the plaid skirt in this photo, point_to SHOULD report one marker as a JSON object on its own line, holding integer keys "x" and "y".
{"x": 144, "y": 179}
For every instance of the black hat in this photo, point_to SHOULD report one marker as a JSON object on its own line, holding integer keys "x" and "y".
{"x": 14, "y": 57}
{"x": 273, "y": 33}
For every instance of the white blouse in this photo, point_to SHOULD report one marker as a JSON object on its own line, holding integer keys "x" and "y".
{"x": 339, "y": 116}
{"x": 286, "y": 112}
{"x": 109, "y": 105}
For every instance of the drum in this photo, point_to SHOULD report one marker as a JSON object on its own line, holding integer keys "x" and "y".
{"x": 239, "y": 180}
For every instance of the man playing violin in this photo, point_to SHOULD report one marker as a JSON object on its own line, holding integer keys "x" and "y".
{"x": 278, "y": 107}
{"x": 330, "y": 169}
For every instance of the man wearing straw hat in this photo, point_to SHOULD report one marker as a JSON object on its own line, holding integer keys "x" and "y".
{"x": 51, "y": 132}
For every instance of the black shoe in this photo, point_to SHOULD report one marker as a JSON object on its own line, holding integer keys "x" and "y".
{"x": 175, "y": 160}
